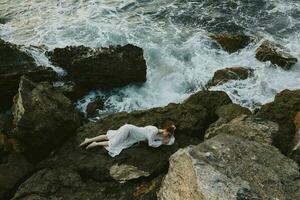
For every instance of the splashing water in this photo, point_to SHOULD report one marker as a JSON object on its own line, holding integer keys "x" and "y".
{"x": 174, "y": 35}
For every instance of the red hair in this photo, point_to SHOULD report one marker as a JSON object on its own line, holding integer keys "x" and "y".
{"x": 169, "y": 126}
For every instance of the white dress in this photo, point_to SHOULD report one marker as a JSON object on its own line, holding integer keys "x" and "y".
{"x": 129, "y": 134}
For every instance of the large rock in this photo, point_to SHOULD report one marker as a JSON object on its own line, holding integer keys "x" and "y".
{"x": 93, "y": 107}
{"x": 232, "y": 43}
{"x": 232, "y": 73}
{"x": 136, "y": 172}
{"x": 42, "y": 119}
{"x": 231, "y": 111}
{"x": 13, "y": 170}
{"x": 101, "y": 67}
{"x": 230, "y": 167}
{"x": 283, "y": 110}
{"x": 276, "y": 54}
{"x": 13, "y": 64}
{"x": 62, "y": 183}
{"x": 249, "y": 127}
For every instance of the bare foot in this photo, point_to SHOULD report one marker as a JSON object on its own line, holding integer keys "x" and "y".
{"x": 86, "y": 141}
{"x": 93, "y": 144}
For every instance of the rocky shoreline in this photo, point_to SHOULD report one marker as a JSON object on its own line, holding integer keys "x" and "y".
{"x": 222, "y": 150}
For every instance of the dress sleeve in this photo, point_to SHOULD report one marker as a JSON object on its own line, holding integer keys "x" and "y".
{"x": 171, "y": 141}
{"x": 154, "y": 141}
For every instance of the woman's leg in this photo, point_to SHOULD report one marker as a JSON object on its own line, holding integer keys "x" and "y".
{"x": 94, "y": 139}
{"x": 94, "y": 144}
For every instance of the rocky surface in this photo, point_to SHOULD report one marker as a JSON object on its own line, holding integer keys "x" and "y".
{"x": 136, "y": 173}
{"x": 13, "y": 64}
{"x": 91, "y": 109}
{"x": 42, "y": 119}
{"x": 295, "y": 154}
{"x": 232, "y": 73}
{"x": 101, "y": 67}
{"x": 276, "y": 54}
{"x": 282, "y": 111}
{"x": 14, "y": 169}
{"x": 232, "y": 43}
{"x": 230, "y": 167}
{"x": 249, "y": 127}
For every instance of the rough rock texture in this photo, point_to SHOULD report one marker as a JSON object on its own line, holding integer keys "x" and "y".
{"x": 232, "y": 43}
{"x": 91, "y": 109}
{"x": 42, "y": 119}
{"x": 249, "y": 127}
{"x": 70, "y": 90}
{"x": 101, "y": 67}
{"x": 61, "y": 183}
{"x": 230, "y": 167}
{"x": 231, "y": 111}
{"x": 13, "y": 170}
{"x": 283, "y": 110}
{"x": 295, "y": 154}
{"x": 13, "y": 64}
{"x": 269, "y": 51}
{"x": 233, "y": 73}
{"x": 139, "y": 168}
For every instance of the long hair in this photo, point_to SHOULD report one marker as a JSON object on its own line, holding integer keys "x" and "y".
{"x": 169, "y": 126}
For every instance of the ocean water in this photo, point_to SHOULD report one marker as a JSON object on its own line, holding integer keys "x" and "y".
{"x": 174, "y": 34}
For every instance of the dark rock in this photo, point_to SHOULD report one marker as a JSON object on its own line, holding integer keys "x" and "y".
{"x": 231, "y": 111}
{"x": 13, "y": 64}
{"x": 211, "y": 100}
{"x": 63, "y": 183}
{"x": 295, "y": 154}
{"x": 13, "y": 170}
{"x": 282, "y": 111}
{"x": 277, "y": 54}
{"x": 101, "y": 67}
{"x": 43, "y": 119}
{"x": 91, "y": 109}
{"x": 232, "y": 43}
{"x": 128, "y": 175}
{"x": 230, "y": 167}
{"x": 233, "y": 73}
{"x": 71, "y": 90}
{"x": 249, "y": 127}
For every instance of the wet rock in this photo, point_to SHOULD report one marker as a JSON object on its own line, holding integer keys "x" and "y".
{"x": 101, "y": 67}
{"x": 232, "y": 43}
{"x": 13, "y": 64}
{"x": 230, "y": 167}
{"x": 282, "y": 111}
{"x": 276, "y": 54}
{"x": 295, "y": 154}
{"x": 70, "y": 90}
{"x": 249, "y": 127}
{"x": 91, "y": 109}
{"x": 43, "y": 119}
{"x": 13, "y": 170}
{"x": 233, "y": 73}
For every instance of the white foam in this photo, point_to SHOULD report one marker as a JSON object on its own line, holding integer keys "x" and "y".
{"x": 180, "y": 58}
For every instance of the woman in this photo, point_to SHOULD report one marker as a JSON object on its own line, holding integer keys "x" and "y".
{"x": 116, "y": 140}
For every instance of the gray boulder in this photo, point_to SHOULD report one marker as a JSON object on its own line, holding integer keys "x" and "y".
{"x": 230, "y": 167}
